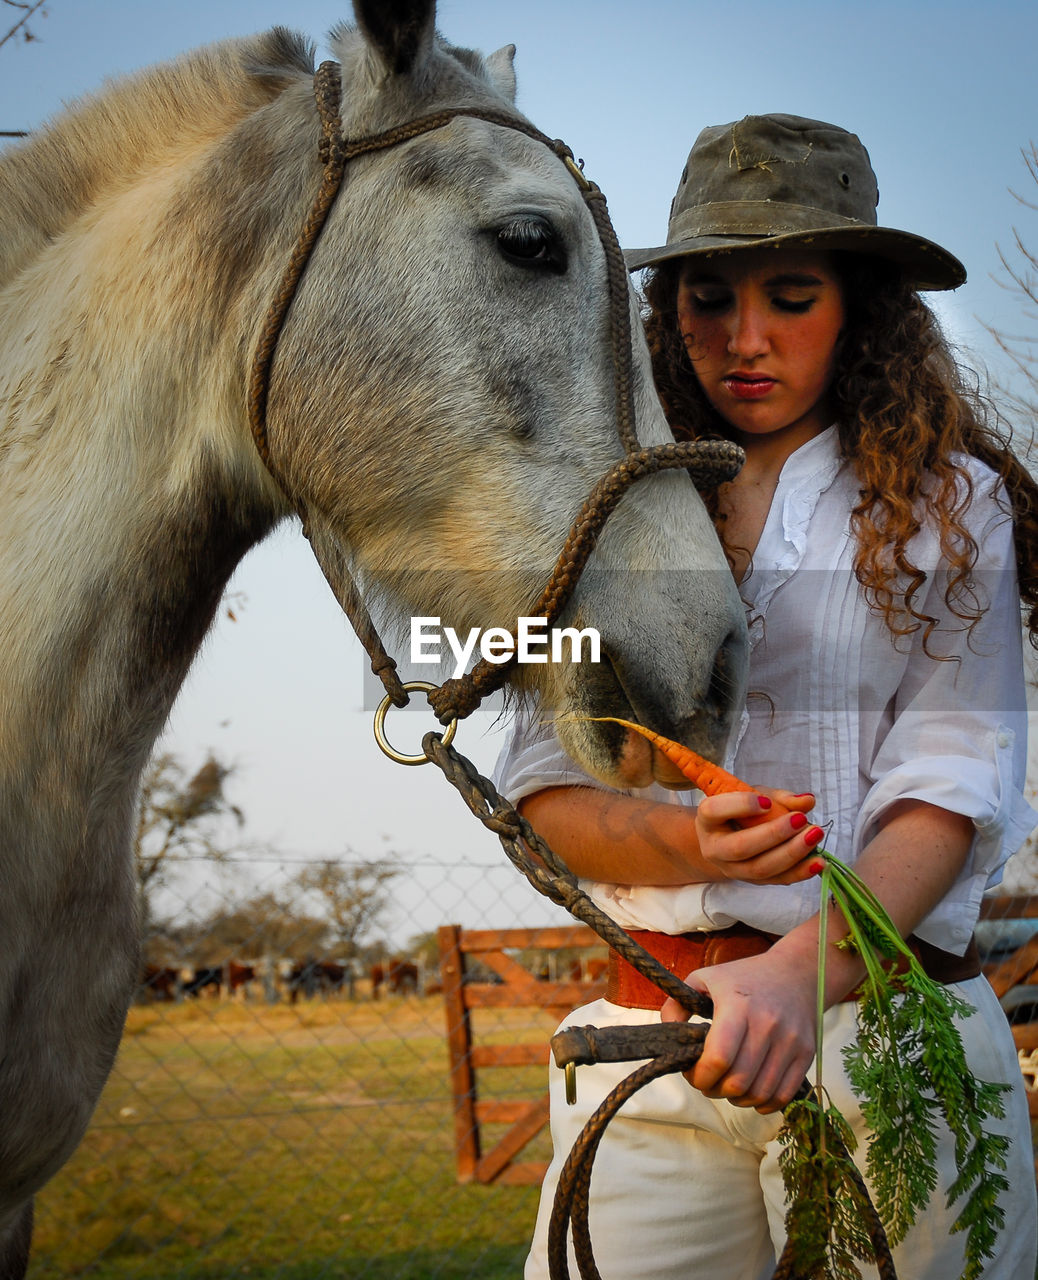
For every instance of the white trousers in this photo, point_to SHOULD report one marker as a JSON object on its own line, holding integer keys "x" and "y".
{"x": 685, "y": 1186}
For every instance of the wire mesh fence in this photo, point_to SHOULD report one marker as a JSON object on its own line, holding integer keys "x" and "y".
{"x": 281, "y": 1110}
{"x": 287, "y": 1112}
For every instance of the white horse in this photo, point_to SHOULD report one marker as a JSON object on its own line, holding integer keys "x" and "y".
{"x": 442, "y": 397}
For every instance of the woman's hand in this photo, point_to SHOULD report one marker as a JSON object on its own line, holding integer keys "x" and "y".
{"x": 779, "y": 851}
{"x": 621, "y": 839}
{"x": 762, "y": 1040}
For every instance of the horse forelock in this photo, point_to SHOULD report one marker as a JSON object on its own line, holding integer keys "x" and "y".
{"x": 449, "y": 75}
{"x": 134, "y": 122}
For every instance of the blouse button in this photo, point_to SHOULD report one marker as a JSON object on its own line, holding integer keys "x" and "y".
{"x": 1002, "y": 740}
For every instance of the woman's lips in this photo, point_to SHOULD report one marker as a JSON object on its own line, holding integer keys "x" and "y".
{"x": 748, "y": 386}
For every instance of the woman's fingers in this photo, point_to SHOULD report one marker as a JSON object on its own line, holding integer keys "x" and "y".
{"x": 790, "y": 862}
{"x": 735, "y": 806}
{"x": 725, "y": 1039}
{"x": 780, "y": 850}
{"x": 760, "y": 1044}
{"x": 754, "y": 806}
{"x": 747, "y": 1065}
{"x": 803, "y": 801}
{"x": 768, "y": 801}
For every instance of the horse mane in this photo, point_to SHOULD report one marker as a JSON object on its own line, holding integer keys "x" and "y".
{"x": 132, "y": 122}
{"x": 107, "y": 138}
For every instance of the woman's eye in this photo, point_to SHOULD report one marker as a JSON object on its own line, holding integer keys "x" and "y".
{"x": 795, "y": 305}
{"x": 706, "y": 304}
{"x": 532, "y": 243}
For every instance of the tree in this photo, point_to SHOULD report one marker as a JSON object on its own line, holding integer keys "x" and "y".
{"x": 1021, "y": 281}
{"x": 353, "y": 895}
{"x": 1020, "y": 264}
{"x": 179, "y": 820}
{"x": 425, "y": 948}
{"x": 267, "y": 924}
{"x": 21, "y": 26}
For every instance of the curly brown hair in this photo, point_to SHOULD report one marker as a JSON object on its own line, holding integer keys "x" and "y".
{"x": 905, "y": 410}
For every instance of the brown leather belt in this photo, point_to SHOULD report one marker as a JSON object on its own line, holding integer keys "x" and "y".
{"x": 685, "y": 952}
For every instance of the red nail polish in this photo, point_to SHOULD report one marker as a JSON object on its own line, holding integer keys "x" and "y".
{"x": 813, "y": 836}
{"x": 816, "y": 868}
{"x": 804, "y": 795}
{"x": 764, "y": 802}
{"x": 797, "y": 820}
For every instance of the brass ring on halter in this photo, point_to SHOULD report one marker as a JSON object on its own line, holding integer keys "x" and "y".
{"x": 582, "y": 180}
{"x": 410, "y": 686}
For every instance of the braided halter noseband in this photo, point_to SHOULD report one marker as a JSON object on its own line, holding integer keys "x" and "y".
{"x": 710, "y": 462}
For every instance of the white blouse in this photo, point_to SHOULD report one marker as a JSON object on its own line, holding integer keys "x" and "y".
{"x": 840, "y": 708}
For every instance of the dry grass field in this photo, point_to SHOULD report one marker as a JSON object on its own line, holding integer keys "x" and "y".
{"x": 244, "y": 1139}
{"x": 241, "y": 1139}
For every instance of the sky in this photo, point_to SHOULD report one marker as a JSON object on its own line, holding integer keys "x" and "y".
{"x": 942, "y": 95}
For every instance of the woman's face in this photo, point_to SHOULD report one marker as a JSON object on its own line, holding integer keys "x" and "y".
{"x": 762, "y": 329}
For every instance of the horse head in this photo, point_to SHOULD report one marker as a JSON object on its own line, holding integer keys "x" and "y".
{"x": 443, "y": 400}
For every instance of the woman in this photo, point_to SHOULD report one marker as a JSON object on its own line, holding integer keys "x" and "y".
{"x": 876, "y": 529}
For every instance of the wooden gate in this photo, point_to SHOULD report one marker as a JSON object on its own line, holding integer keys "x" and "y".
{"x": 479, "y": 970}
{"x": 1018, "y": 969}
{"x": 496, "y": 979}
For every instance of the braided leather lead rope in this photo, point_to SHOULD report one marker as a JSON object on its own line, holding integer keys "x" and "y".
{"x": 538, "y": 862}
{"x": 710, "y": 462}
{"x": 672, "y": 1047}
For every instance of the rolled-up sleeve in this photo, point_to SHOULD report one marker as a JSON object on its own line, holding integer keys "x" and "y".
{"x": 958, "y": 738}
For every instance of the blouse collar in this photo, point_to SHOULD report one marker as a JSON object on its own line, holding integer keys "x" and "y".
{"x": 817, "y": 459}
{"x": 806, "y": 474}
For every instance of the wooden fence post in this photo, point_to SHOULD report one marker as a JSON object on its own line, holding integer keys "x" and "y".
{"x": 459, "y": 1048}
{"x": 512, "y": 986}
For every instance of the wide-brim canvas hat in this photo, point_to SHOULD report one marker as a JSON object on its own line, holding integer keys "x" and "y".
{"x": 779, "y": 180}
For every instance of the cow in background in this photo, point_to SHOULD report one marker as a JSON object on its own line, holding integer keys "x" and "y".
{"x": 314, "y": 977}
{"x": 159, "y": 983}
{"x": 239, "y": 976}
{"x": 202, "y": 979}
{"x": 399, "y": 977}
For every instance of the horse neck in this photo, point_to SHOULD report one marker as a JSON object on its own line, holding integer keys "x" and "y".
{"x": 102, "y": 609}
{"x": 129, "y": 485}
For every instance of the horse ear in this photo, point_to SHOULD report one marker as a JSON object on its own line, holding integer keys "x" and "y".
{"x": 501, "y": 72}
{"x": 399, "y": 31}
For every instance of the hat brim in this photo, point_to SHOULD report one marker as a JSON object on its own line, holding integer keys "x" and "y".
{"x": 926, "y": 265}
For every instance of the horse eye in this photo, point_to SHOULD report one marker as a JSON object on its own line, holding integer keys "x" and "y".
{"x": 532, "y": 243}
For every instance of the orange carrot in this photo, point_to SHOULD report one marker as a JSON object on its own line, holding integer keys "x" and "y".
{"x": 710, "y": 778}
